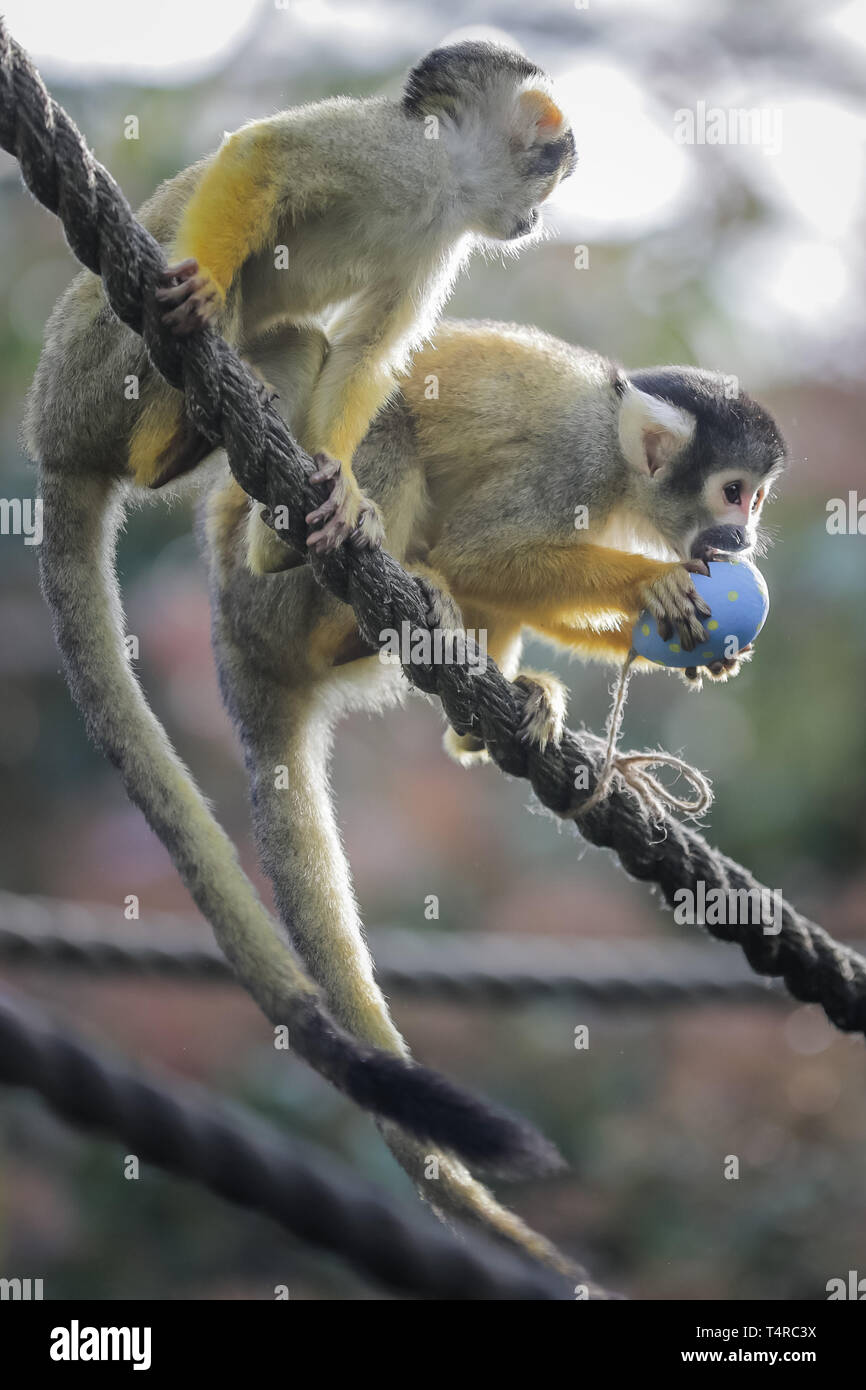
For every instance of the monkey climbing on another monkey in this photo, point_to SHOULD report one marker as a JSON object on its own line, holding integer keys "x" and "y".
{"x": 479, "y": 489}
{"x": 472, "y": 501}
{"x": 371, "y": 206}
{"x": 360, "y": 213}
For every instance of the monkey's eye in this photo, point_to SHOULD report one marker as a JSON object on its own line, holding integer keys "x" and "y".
{"x": 732, "y": 494}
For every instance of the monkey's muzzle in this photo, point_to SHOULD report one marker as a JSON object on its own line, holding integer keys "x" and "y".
{"x": 729, "y": 540}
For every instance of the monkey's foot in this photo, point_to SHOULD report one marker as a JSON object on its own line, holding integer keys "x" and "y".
{"x": 718, "y": 671}
{"x": 345, "y": 514}
{"x": 443, "y": 612}
{"x": 676, "y": 605}
{"x": 544, "y": 712}
{"x": 192, "y": 297}
{"x": 266, "y": 393}
{"x": 466, "y": 749}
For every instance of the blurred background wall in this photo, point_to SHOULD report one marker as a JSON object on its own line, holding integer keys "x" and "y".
{"x": 741, "y": 256}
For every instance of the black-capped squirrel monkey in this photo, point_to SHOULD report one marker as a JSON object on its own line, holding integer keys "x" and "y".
{"x": 364, "y": 208}
{"x": 480, "y": 483}
{"x": 354, "y": 214}
{"x": 649, "y": 474}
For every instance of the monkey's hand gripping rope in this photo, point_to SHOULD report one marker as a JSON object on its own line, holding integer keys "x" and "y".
{"x": 223, "y": 401}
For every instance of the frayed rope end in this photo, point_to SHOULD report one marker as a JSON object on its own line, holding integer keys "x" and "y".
{"x": 632, "y": 768}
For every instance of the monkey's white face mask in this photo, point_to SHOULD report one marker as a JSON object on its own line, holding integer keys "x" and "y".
{"x": 699, "y": 498}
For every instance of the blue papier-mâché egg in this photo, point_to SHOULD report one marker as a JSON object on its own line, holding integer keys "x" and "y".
{"x": 737, "y": 594}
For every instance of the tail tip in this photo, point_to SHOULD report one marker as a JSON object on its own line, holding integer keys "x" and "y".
{"x": 484, "y": 1135}
{"x": 423, "y": 1102}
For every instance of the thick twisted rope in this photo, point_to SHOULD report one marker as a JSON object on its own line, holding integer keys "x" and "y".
{"x": 188, "y": 1132}
{"x": 51, "y": 935}
{"x": 223, "y": 403}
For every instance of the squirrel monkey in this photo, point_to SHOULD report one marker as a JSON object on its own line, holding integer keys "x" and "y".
{"x": 376, "y": 205}
{"x": 358, "y": 214}
{"x": 619, "y": 486}
{"x": 479, "y": 489}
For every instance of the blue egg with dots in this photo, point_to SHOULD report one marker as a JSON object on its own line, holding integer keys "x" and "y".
{"x": 737, "y": 594}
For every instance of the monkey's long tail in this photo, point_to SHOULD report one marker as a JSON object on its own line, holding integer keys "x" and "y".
{"x": 77, "y": 570}
{"x": 302, "y": 853}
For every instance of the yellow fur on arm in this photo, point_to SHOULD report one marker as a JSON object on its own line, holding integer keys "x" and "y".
{"x": 233, "y": 210}
{"x": 158, "y": 423}
{"x": 340, "y": 414}
{"x": 610, "y": 646}
{"x": 548, "y": 585}
{"x": 369, "y": 344}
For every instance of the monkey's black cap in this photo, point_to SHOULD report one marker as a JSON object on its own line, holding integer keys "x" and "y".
{"x": 730, "y": 428}
{"x": 440, "y": 81}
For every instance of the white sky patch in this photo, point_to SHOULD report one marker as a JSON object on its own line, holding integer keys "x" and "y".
{"x": 785, "y": 281}
{"x": 810, "y": 279}
{"x": 351, "y": 28}
{"x": 849, "y": 22}
{"x": 171, "y": 40}
{"x": 630, "y": 175}
{"x": 819, "y": 172}
{"x": 661, "y": 9}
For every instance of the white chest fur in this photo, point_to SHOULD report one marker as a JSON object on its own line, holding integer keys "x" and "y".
{"x": 634, "y": 535}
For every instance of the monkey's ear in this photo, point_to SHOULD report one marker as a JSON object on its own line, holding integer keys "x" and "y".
{"x": 540, "y": 118}
{"x": 652, "y": 431}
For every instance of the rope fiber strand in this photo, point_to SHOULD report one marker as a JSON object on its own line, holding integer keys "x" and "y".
{"x": 223, "y": 403}
{"x": 633, "y": 768}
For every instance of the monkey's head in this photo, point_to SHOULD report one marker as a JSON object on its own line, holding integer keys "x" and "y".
{"x": 704, "y": 455}
{"x": 510, "y": 144}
